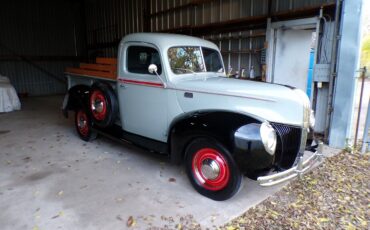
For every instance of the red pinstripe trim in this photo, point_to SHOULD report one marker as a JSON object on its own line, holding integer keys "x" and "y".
{"x": 135, "y": 82}
{"x": 160, "y": 85}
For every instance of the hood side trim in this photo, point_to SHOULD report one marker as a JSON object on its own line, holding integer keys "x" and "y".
{"x": 222, "y": 94}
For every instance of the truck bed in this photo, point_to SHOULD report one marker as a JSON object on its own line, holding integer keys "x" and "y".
{"x": 104, "y": 68}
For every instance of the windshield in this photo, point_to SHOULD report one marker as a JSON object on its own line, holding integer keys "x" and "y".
{"x": 189, "y": 59}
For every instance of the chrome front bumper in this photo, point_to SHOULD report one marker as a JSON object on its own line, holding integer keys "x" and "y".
{"x": 300, "y": 168}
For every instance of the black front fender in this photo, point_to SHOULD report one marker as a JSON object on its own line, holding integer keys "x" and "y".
{"x": 238, "y": 132}
{"x": 249, "y": 150}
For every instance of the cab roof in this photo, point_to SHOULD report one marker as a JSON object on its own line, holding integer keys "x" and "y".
{"x": 165, "y": 41}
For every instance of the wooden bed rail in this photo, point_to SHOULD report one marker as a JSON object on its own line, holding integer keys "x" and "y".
{"x": 103, "y": 68}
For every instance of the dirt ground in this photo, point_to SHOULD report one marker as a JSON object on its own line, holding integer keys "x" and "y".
{"x": 334, "y": 196}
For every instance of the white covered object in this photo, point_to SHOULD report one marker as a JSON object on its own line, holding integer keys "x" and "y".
{"x": 9, "y": 100}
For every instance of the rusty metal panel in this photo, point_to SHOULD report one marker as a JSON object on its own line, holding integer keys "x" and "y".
{"x": 234, "y": 11}
{"x": 284, "y": 5}
{"x": 176, "y": 14}
{"x": 207, "y": 13}
{"x": 225, "y": 10}
{"x": 245, "y": 8}
{"x": 108, "y": 21}
{"x": 215, "y": 11}
{"x": 259, "y": 7}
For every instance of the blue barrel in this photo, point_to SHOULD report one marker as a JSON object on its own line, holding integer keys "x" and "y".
{"x": 310, "y": 73}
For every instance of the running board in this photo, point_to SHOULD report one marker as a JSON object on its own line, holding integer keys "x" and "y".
{"x": 116, "y": 133}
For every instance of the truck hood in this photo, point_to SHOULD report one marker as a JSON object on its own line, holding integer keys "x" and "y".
{"x": 263, "y": 101}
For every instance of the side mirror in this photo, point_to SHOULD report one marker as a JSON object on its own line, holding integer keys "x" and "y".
{"x": 153, "y": 69}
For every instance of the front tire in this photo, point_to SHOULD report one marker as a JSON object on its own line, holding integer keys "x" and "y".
{"x": 212, "y": 170}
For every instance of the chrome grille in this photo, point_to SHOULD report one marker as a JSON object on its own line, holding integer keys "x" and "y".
{"x": 288, "y": 144}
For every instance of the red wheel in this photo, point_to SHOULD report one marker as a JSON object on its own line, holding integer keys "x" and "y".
{"x": 98, "y": 105}
{"x": 103, "y": 104}
{"x": 83, "y": 125}
{"x": 211, "y": 169}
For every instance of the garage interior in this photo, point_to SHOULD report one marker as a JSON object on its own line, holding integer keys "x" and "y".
{"x": 307, "y": 44}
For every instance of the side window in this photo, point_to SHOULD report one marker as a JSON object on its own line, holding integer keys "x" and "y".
{"x": 140, "y": 57}
{"x": 212, "y": 60}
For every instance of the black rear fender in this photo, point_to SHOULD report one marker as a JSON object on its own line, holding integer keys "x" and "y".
{"x": 77, "y": 97}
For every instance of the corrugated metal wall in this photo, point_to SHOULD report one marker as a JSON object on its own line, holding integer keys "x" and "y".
{"x": 37, "y": 42}
{"x": 241, "y": 49}
{"x": 108, "y": 21}
{"x": 59, "y": 28}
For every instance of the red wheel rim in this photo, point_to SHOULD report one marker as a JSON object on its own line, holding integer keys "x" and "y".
{"x": 82, "y": 123}
{"x": 98, "y": 105}
{"x": 210, "y": 169}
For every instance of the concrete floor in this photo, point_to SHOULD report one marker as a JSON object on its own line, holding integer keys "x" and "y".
{"x": 50, "y": 179}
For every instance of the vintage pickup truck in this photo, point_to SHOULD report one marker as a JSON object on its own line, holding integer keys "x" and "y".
{"x": 171, "y": 96}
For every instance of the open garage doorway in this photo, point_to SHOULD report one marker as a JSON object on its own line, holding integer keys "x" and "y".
{"x": 291, "y": 47}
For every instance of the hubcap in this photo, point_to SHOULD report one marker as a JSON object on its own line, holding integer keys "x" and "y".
{"x": 82, "y": 123}
{"x": 98, "y": 105}
{"x": 210, "y": 169}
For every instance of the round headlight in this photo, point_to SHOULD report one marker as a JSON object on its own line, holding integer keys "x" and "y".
{"x": 268, "y": 136}
{"x": 312, "y": 119}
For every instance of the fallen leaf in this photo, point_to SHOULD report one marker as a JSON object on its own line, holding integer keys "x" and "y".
{"x": 333, "y": 196}
{"x": 131, "y": 222}
{"x": 323, "y": 220}
{"x": 60, "y": 214}
{"x": 119, "y": 199}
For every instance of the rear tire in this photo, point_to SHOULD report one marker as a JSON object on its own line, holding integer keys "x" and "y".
{"x": 211, "y": 169}
{"x": 103, "y": 104}
{"x": 84, "y": 126}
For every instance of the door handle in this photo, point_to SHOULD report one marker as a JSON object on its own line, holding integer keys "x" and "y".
{"x": 188, "y": 95}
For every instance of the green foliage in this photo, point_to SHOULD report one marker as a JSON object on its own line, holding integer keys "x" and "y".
{"x": 185, "y": 58}
{"x": 365, "y": 52}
